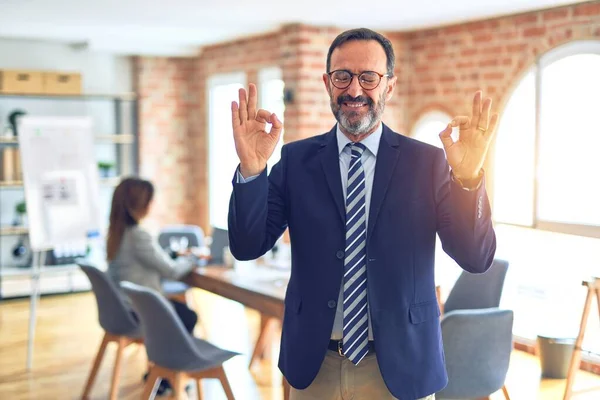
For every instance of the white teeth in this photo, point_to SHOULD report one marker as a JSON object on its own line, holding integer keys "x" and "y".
{"x": 355, "y": 105}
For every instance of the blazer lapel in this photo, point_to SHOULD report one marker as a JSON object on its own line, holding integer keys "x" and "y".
{"x": 330, "y": 161}
{"x": 387, "y": 157}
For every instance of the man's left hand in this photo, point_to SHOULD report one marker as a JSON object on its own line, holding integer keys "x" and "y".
{"x": 467, "y": 155}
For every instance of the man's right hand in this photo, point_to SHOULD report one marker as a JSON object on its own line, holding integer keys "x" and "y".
{"x": 253, "y": 144}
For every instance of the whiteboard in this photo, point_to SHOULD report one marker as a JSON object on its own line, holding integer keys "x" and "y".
{"x": 61, "y": 180}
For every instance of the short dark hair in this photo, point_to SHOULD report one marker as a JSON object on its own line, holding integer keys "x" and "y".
{"x": 364, "y": 34}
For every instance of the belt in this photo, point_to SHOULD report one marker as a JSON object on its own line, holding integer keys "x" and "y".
{"x": 336, "y": 345}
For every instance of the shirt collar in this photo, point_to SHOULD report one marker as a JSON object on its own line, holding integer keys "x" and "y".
{"x": 371, "y": 142}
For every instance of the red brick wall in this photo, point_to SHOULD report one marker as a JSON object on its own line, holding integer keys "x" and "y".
{"x": 436, "y": 68}
{"x": 303, "y": 60}
{"x": 449, "y": 64}
{"x": 171, "y": 139}
{"x": 301, "y": 52}
{"x": 173, "y": 110}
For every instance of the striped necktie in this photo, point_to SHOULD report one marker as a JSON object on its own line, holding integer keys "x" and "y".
{"x": 356, "y": 326}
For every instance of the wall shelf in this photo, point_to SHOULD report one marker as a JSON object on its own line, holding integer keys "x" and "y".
{"x": 11, "y": 184}
{"x": 115, "y": 116}
{"x": 13, "y": 230}
{"x": 8, "y": 141}
{"x": 28, "y": 271}
{"x": 83, "y": 96}
{"x": 110, "y": 181}
{"x": 119, "y": 138}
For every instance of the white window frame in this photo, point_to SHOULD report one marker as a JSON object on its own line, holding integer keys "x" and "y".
{"x": 215, "y": 156}
{"x": 556, "y": 54}
{"x": 428, "y": 117}
{"x": 547, "y": 259}
{"x": 265, "y": 75}
{"x": 446, "y": 269}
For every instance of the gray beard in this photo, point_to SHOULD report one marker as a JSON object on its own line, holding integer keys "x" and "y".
{"x": 357, "y": 127}
{"x": 363, "y": 125}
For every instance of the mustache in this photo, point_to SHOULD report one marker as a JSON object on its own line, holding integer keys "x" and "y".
{"x": 346, "y": 98}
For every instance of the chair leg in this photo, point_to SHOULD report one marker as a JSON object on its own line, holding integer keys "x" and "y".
{"x": 194, "y": 305}
{"x": 151, "y": 385}
{"x": 114, "y": 387}
{"x": 286, "y": 388}
{"x": 505, "y": 391}
{"x": 438, "y": 294}
{"x": 178, "y": 383}
{"x": 199, "y": 389}
{"x": 225, "y": 383}
{"x": 267, "y": 328}
{"x": 95, "y": 367}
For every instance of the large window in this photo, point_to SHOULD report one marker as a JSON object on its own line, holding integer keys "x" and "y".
{"x": 222, "y": 157}
{"x": 515, "y": 156}
{"x": 427, "y": 129}
{"x": 569, "y": 140}
{"x": 546, "y": 194}
{"x": 547, "y": 142}
{"x": 270, "y": 86}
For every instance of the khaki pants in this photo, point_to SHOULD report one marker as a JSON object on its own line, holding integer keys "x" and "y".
{"x": 339, "y": 379}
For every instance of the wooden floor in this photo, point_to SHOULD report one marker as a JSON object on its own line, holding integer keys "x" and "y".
{"x": 68, "y": 336}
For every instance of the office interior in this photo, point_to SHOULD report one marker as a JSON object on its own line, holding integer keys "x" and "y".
{"x": 157, "y": 82}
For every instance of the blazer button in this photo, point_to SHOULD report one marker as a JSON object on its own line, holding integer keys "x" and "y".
{"x": 331, "y": 304}
{"x": 339, "y": 254}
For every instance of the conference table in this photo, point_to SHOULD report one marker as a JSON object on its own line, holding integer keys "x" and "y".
{"x": 256, "y": 286}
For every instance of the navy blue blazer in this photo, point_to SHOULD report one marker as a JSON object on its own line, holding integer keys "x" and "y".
{"x": 413, "y": 198}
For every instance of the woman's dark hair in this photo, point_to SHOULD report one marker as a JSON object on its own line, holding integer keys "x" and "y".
{"x": 129, "y": 204}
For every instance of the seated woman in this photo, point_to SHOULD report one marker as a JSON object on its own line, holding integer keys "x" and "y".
{"x": 133, "y": 255}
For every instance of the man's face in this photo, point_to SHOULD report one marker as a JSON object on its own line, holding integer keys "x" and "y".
{"x": 359, "y": 110}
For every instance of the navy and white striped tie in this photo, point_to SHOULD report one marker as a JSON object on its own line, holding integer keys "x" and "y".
{"x": 356, "y": 326}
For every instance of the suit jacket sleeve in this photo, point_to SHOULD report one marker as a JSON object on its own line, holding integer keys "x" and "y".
{"x": 464, "y": 220}
{"x": 257, "y": 212}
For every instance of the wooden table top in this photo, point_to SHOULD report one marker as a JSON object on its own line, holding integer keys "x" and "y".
{"x": 258, "y": 287}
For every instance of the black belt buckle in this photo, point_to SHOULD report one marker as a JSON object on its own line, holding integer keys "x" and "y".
{"x": 339, "y": 348}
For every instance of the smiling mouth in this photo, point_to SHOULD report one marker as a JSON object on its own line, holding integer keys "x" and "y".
{"x": 354, "y": 105}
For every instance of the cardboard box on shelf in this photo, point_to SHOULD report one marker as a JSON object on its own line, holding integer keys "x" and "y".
{"x": 62, "y": 83}
{"x": 21, "y": 82}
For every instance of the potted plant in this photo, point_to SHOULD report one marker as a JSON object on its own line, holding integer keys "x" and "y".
{"x": 21, "y": 211}
{"x": 105, "y": 168}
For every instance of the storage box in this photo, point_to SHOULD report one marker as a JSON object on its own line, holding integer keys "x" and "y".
{"x": 64, "y": 83}
{"x": 21, "y": 82}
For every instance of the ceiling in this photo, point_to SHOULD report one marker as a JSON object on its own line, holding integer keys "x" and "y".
{"x": 182, "y": 27}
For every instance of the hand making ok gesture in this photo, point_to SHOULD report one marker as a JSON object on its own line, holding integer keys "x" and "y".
{"x": 253, "y": 144}
{"x": 467, "y": 155}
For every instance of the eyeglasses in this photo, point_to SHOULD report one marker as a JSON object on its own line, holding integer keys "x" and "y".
{"x": 368, "y": 80}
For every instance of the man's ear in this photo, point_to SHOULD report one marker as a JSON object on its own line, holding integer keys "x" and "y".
{"x": 389, "y": 90}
